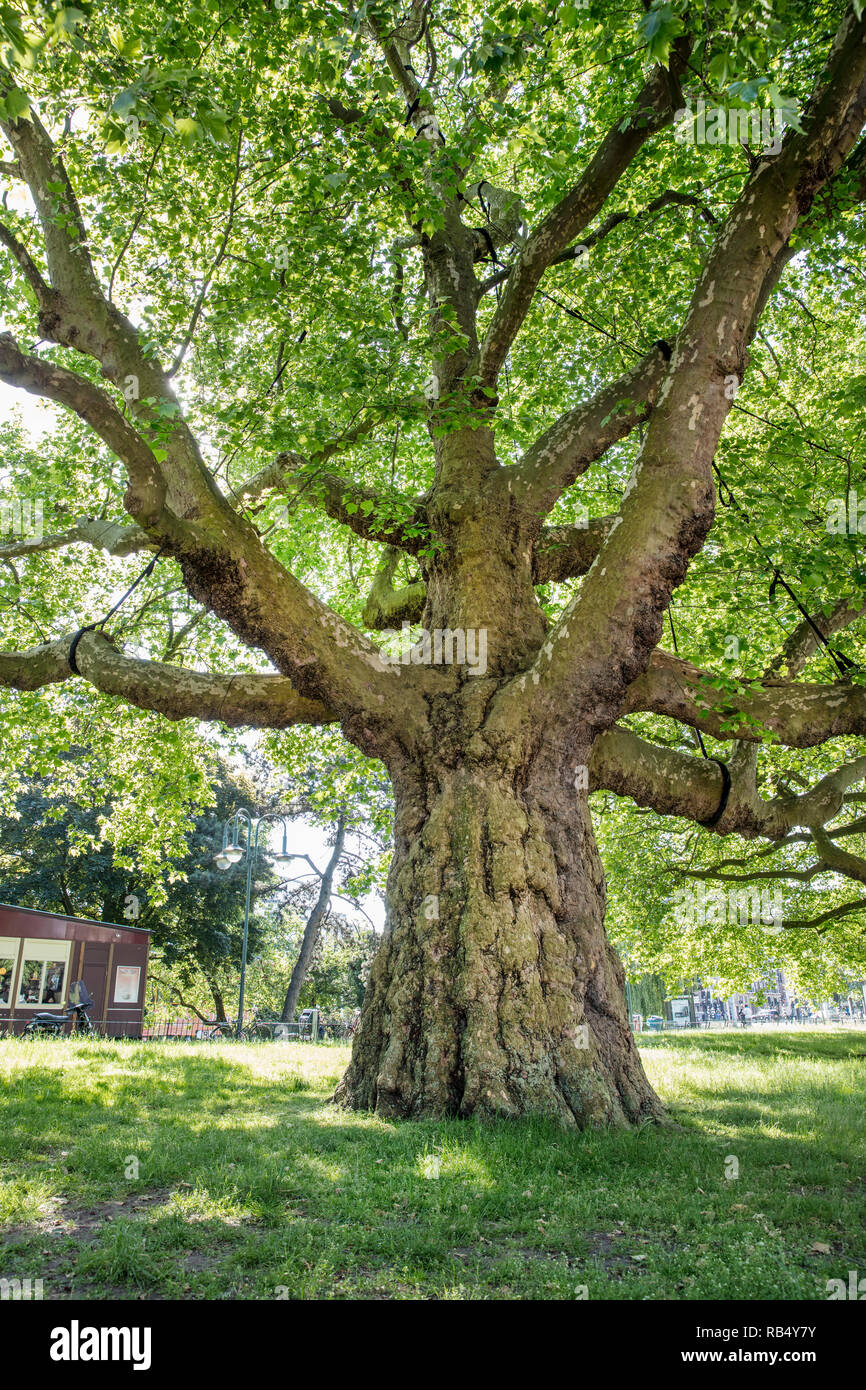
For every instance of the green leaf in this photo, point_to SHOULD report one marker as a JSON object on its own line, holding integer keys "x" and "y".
{"x": 126, "y": 101}
{"x": 17, "y": 105}
{"x": 188, "y": 128}
{"x": 127, "y": 47}
{"x": 67, "y": 20}
{"x": 659, "y": 27}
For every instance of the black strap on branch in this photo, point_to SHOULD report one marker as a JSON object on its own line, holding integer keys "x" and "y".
{"x": 484, "y": 232}
{"x": 70, "y": 660}
{"x": 726, "y": 776}
{"x": 843, "y": 663}
{"x": 726, "y": 791}
{"x": 92, "y": 627}
{"x": 490, "y": 246}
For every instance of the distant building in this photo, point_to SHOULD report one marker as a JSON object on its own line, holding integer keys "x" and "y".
{"x": 769, "y": 998}
{"x": 43, "y": 953}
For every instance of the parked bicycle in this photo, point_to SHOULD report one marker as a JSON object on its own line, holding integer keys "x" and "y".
{"x": 216, "y": 1032}
{"x": 262, "y": 1026}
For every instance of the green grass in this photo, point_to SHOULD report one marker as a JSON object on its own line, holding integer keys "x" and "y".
{"x": 249, "y": 1185}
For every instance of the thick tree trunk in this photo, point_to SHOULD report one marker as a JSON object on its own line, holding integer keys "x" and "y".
{"x": 495, "y": 991}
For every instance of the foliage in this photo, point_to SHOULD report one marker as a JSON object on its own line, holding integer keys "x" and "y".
{"x": 54, "y": 855}
{"x": 644, "y": 872}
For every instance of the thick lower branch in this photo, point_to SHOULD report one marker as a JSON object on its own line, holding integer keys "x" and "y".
{"x": 678, "y": 784}
{"x": 258, "y": 701}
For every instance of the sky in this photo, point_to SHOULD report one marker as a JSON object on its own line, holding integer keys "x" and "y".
{"x": 306, "y": 838}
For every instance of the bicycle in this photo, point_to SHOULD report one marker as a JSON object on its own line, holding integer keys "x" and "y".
{"x": 258, "y": 1029}
{"x": 217, "y": 1032}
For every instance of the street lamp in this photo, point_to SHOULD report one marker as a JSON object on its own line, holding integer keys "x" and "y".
{"x": 283, "y": 856}
{"x": 233, "y": 853}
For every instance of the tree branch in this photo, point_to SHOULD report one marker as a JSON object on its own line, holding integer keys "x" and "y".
{"x": 605, "y": 637}
{"x": 239, "y": 700}
{"x": 840, "y": 860}
{"x": 224, "y": 564}
{"x": 800, "y": 715}
{"x": 832, "y": 915}
{"x": 670, "y": 198}
{"x": 803, "y": 642}
{"x": 110, "y": 536}
{"x": 396, "y": 47}
{"x": 565, "y": 552}
{"x": 362, "y": 509}
{"x": 585, "y": 433}
{"x": 680, "y": 784}
{"x": 652, "y": 110}
{"x": 147, "y": 490}
{"x": 27, "y": 266}
{"x": 385, "y": 604}
{"x": 78, "y": 315}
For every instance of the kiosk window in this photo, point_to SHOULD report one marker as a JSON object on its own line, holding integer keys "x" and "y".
{"x": 43, "y": 973}
{"x": 7, "y": 972}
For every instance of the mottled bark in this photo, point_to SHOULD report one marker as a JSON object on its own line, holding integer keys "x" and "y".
{"x": 496, "y": 991}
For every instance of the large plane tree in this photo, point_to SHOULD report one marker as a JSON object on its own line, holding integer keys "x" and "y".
{"x": 429, "y": 313}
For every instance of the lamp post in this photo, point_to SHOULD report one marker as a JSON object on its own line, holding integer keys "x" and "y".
{"x": 233, "y": 854}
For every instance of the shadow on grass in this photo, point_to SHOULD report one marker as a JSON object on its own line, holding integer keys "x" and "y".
{"x": 254, "y": 1182}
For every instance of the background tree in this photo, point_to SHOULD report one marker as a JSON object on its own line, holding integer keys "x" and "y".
{"x": 343, "y": 795}
{"x": 54, "y": 855}
{"x": 337, "y": 975}
{"x": 464, "y": 247}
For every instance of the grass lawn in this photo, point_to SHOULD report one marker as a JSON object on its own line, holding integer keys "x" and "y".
{"x": 219, "y": 1171}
